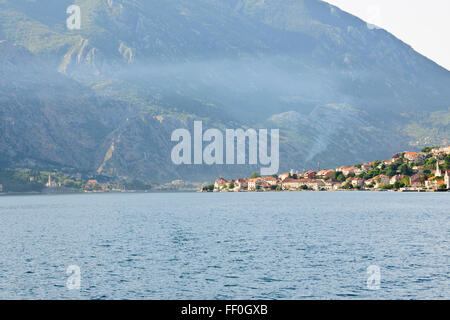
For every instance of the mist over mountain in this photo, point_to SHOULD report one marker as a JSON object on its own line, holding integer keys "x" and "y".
{"x": 107, "y": 97}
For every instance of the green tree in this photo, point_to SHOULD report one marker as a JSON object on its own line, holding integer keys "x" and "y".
{"x": 446, "y": 165}
{"x": 399, "y": 185}
{"x": 376, "y": 163}
{"x": 209, "y": 188}
{"x": 405, "y": 181}
{"x": 348, "y": 186}
{"x": 255, "y": 175}
{"x": 442, "y": 187}
{"x": 391, "y": 170}
{"x": 339, "y": 176}
{"x": 137, "y": 185}
{"x": 373, "y": 173}
{"x": 406, "y": 170}
{"x": 96, "y": 187}
{"x": 72, "y": 184}
{"x": 431, "y": 163}
{"x": 16, "y": 181}
{"x": 428, "y": 149}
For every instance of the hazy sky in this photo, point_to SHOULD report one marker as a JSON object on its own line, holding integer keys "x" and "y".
{"x": 423, "y": 24}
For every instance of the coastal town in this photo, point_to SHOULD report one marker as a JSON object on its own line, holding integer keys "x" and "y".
{"x": 428, "y": 170}
{"x": 425, "y": 171}
{"x": 28, "y": 181}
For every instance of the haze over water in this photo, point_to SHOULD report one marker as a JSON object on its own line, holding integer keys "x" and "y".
{"x": 299, "y": 245}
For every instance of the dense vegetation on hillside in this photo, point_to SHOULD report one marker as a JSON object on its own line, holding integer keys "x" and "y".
{"x": 17, "y": 181}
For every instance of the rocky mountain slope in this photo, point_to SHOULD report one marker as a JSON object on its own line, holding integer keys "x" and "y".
{"x": 106, "y": 98}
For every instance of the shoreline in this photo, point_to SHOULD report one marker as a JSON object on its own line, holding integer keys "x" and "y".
{"x": 287, "y": 191}
{"x": 35, "y": 193}
{"x": 6, "y": 194}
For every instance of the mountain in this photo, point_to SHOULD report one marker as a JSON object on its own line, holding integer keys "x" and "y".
{"x": 107, "y": 97}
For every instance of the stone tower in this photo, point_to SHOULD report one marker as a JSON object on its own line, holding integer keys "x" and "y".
{"x": 438, "y": 170}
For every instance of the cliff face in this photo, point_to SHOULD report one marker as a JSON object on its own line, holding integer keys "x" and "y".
{"x": 107, "y": 97}
{"x": 46, "y": 118}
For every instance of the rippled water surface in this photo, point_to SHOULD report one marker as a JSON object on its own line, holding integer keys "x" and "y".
{"x": 226, "y": 246}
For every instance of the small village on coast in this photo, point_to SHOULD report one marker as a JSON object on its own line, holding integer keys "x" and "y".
{"x": 28, "y": 181}
{"x": 425, "y": 171}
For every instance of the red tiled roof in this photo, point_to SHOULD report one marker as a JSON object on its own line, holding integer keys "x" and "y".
{"x": 255, "y": 180}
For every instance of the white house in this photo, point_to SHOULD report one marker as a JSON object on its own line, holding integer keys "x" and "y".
{"x": 252, "y": 183}
{"x": 219, "y": 183}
